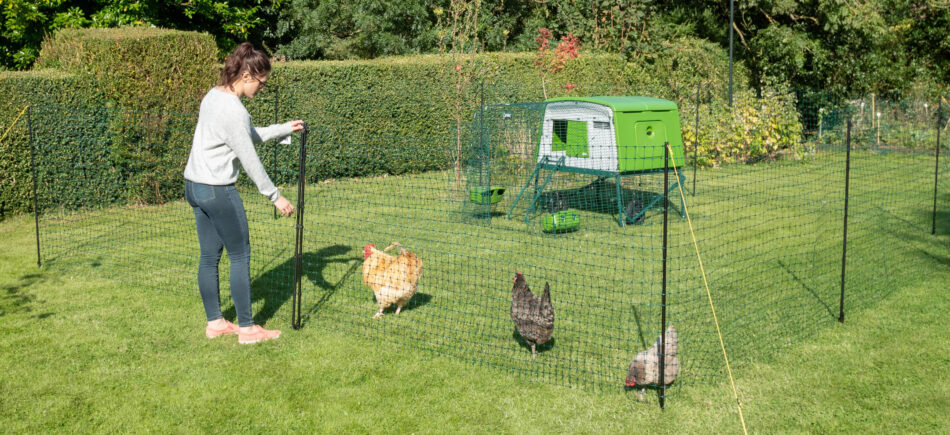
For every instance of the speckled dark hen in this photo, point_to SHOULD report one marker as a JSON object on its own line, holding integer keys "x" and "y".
{"x": 533, "y": 316}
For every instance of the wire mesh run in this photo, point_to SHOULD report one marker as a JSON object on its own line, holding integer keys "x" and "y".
{"x": 506, "y": 201}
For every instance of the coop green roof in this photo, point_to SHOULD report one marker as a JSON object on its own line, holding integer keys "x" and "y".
{"x": 624, "y": 104}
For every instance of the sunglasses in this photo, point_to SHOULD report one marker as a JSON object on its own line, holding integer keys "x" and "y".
{"x": 261, "y": 84}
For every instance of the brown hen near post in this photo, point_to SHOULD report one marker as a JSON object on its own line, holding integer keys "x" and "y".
{"x": 644, "y": 370}
{"x": 533, "y": 316}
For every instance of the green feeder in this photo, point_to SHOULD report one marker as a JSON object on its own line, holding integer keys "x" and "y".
{"x": 481, "y": 195}
{"x": 561, "y": 222}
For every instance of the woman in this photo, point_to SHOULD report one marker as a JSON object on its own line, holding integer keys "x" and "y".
{"x": 224, "y": 136}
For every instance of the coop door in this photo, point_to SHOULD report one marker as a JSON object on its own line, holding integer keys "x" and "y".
{"x": 651, "y": 140}
{"x": 570, "y": 137}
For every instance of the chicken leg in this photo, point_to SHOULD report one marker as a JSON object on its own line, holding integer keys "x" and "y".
{"x": 533, "y": 354}
{"x": 378, "y": 314}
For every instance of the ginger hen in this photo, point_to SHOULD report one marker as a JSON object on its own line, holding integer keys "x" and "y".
{"x": 533, "y": 316}
{"x": 393, "y": 279}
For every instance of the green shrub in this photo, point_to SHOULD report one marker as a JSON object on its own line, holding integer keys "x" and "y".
{"x": 45, "y": 90}
{"x": 137, "y": 67}
{"x": 158, "y": 73}
{"x": 752, "y": 130}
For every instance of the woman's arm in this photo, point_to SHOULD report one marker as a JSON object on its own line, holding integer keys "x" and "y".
{"x": 264, "y": 134}
{"x": 240, "y": 141}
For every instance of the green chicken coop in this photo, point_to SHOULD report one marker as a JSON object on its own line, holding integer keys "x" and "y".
{"x": 606, "y": 137}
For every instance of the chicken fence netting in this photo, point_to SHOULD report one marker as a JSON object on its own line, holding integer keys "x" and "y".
{"x": 110, "y": 202}
{"x": 483, "y": 200}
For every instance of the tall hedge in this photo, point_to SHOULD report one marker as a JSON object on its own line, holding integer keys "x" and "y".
{"x": 137, "y": 67}
{"x": 157, "y": 74}
{"x": 398, "y": 115}
{"x": 392, "y": 115}
{"x": 42, "y": 89}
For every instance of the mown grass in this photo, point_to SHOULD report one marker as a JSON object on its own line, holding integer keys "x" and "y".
{"x": 86, "y": 351}
{"x": 87, "y": 354}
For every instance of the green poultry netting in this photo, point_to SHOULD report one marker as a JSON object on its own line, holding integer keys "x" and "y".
{"x": 499, "y": 190}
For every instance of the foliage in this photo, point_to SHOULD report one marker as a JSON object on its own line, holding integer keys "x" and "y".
{"x": 908, "y": 123}
{"x": 135, "y": 68}
{"x": 35, "y": 88}
{"x": 27, "y": 22}
{"x": 458, "y": 40}
{"x": 349, "y": 104}
{"x": 371, "y": 104}
{"x": 347, "y": 29}
{"x": 336, "y": 29}
{"x": 754, "y": 129}
{"x": 851, "y": 47}
{"x": 681, "y": 64}
{"x": 550, "y": 63}
{"x": 846, "y": 46}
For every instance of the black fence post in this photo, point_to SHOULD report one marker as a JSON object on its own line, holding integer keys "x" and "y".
{"x": 696, "y": 143}
{"x": 36, "y": 210}
{"x": 666, "y": 212}
{"x": 276, "y": 120}
{"x": 482, "y": 147}
{"x": 731, "y": 25}
{"x": 844, "y": 247}
{"x": 933, "y": 229}
{"x": 296, "y": 314}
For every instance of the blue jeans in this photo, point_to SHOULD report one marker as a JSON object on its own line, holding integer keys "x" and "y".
{"x": 222, "y": 223}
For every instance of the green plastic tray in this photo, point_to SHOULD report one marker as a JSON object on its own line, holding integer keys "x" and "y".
{"x": 562, "y": 221}
{"x": 480, "y": 195}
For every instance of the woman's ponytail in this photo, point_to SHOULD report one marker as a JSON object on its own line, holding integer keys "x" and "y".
{"x": 244, "y": 58}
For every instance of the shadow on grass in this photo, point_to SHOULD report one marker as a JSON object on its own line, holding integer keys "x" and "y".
{"x": 798, "y": 280}
{"x": 527, "y": 346}
{"x": 276, "y": 286}
{"x": 600, "y": 196}
{"x": 636, "y": 318}
{"x": 939, "y": 222}
{"x": 418, "y": 300}
{"x": 938, "y": 225}
{"x": 13, "y": 299}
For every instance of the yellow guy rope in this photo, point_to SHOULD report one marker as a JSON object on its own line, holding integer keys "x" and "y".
{"x": 708, "y": 294}
{"x": 14, "y": 123}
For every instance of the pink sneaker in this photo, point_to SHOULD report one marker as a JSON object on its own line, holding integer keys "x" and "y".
{"x": 230, "y": 328}
{"x": 257, "y": 334}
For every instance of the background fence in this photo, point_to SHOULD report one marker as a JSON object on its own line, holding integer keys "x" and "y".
{"x": 766, "y": 204}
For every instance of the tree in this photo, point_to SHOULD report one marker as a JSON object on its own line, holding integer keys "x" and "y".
{"x": 550, "y": 62}
{"x": 458, "y": 40}
{"x": 845, "y": 45}
{"x": 354, "y": 29}
{"x": 27, "y": 22}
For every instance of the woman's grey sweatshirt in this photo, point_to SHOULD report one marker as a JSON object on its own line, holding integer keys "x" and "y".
{"x": 224, "y": 135}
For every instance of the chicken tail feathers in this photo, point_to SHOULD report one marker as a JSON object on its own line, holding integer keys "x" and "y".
{"x": 547, "y": 308}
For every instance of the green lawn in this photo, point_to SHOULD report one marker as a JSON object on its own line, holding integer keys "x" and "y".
{"x": 108, "y": 335}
